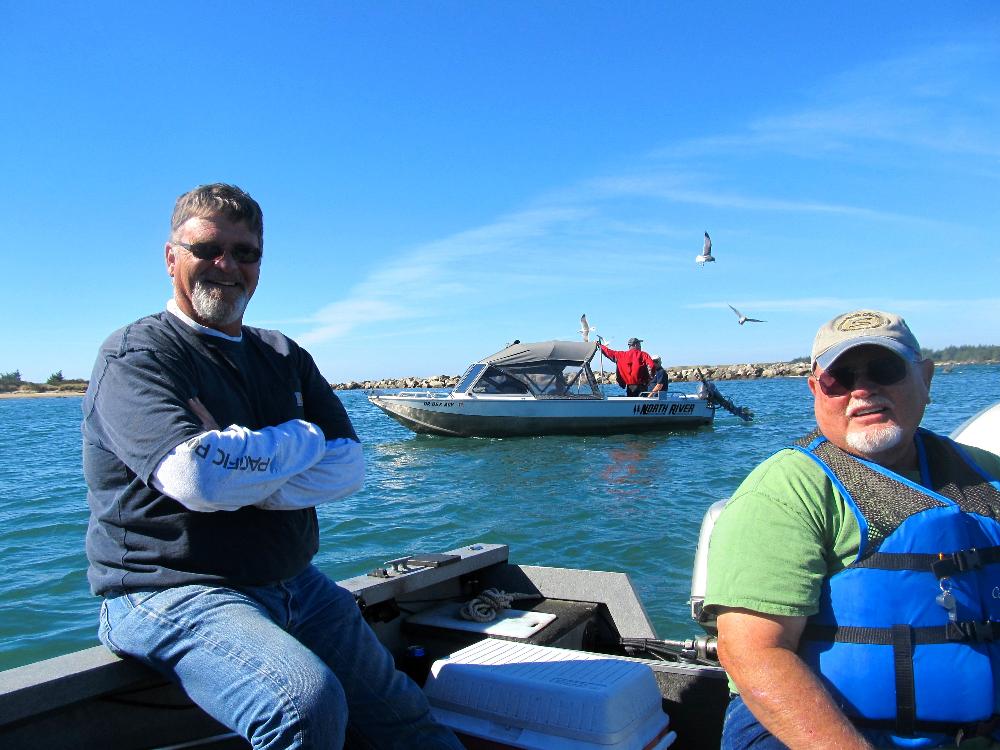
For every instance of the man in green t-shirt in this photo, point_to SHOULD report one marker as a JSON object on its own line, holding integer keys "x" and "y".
{"x": 789, "y": 567}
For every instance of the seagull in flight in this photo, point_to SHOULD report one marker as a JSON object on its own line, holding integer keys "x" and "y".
{"x": 585, "y": 328}
{"x": 743, "y": 318}
{"x": 706, "y": 252}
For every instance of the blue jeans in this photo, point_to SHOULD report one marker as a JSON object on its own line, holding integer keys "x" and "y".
{"x": 287, "y": 666}
{"x": 742, "y": 730}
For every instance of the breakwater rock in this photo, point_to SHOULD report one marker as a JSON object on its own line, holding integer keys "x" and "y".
{"x": 676, "y": 374}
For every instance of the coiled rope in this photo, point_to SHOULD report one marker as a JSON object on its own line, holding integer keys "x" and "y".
{"x": 485, "y": 607}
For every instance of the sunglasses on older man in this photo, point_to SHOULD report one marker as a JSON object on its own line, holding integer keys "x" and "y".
{"x": 839, "y": 381}
{"x": 242, "y": 253}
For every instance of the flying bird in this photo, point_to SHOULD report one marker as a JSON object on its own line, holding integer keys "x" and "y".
{"x": 706, "y": 252}
{"x": 585, "y": 327}
{"x": 743, "y": 318}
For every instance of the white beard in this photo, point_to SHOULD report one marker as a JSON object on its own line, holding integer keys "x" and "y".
{"x": 212, "y": 307}
{"x": 874, "y": 440}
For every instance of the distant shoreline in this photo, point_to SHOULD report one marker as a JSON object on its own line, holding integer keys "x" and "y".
{"x": 41, "y": 394}
{"x": 686, "y": 373}
{"x": 676, "y": 374}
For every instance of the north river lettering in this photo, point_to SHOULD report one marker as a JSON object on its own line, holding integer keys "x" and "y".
{"x": 663, "y": 409}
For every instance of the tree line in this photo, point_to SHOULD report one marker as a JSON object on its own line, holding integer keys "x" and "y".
{"x": 966, "y": 353}
{"x": 11, "y": 381}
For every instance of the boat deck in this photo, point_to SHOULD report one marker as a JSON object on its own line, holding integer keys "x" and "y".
{"x": 93, "y": 700}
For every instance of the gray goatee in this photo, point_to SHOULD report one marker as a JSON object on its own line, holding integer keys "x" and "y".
{"x": 876, "y": 440}
{"x": 214, "y": 308}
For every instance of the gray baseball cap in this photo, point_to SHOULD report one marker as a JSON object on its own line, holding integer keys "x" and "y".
{"x": 634, "y": 340}
{"x": 861, "y": 328}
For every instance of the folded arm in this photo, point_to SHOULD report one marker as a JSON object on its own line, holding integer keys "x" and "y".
{"x": 341, "y": 472}
{"x": 783, "y": 693}
{"x": 235, "y": 467}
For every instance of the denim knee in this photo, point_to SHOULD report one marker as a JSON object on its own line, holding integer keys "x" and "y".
{"x": 308, "y": 711}
{"x": 239, "y": 666}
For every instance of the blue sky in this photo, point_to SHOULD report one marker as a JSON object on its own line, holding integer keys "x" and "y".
{"x": 440, "y": 178}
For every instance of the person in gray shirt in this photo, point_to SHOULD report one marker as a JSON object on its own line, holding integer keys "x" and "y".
{"x": 207, "y": 445}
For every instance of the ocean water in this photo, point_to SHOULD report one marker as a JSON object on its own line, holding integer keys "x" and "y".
{"x": 625, "y": 502}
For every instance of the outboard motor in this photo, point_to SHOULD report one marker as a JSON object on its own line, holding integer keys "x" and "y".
{"x": 699, "y": 576}
{"x": 703, "y": 648}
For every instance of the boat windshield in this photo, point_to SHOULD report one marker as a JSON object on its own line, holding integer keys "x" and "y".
{"x": 549, "y": 379}
{"x": 469, "y": 378}
{"x": 496, "y": 381}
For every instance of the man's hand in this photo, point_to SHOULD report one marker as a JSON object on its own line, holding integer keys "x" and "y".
{"x": 207, "y": 420}
{"x": 783, "y": 693}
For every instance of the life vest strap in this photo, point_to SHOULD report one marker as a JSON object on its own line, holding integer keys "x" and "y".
{"x": 942, "y": 564}
{"x": 906, "y": 690}
{"x": 963, "y": 560}
{"x": 979, "y": 632}
{"x": 984, "y": 728}
{"x": 953, "y": 632}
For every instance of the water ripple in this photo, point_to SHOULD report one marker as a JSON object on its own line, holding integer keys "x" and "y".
{"x": 630, "y": 503}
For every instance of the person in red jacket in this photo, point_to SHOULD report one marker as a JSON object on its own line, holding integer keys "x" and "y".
{"x": 633, "y": 366}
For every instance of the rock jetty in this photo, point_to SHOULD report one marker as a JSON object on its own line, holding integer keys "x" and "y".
{"x": 676, "y": 374}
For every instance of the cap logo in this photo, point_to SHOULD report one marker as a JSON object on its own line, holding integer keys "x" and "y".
{"x": 861, "y": 321}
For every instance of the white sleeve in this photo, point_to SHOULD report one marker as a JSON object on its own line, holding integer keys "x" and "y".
{"x": 228, "y": 469}
{"x": 338, "y": 474}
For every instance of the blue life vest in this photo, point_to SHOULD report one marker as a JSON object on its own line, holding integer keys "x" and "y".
{"x": 907, "y": 638}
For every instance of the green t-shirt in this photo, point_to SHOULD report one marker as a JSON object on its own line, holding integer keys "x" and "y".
{"x": 785, "y": 529}
{"x": 783, "y": 532}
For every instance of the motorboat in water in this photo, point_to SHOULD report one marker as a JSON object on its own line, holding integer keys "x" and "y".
{"x": 545, "y": 388}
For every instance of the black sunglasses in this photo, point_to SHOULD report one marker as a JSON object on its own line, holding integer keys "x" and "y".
{"x": 241, "y": 252}
{"x": 839, "y": 381}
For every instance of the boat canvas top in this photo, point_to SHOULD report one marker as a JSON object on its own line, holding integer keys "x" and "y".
{"x": 545, "y": 369}
{"x": 518, "y": 353}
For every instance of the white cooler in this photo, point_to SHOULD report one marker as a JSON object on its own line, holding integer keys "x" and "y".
{"x": 538, "y": 698}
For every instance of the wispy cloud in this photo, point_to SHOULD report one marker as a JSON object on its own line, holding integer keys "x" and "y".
{"x": 652, "y": 187}
{"x": 929, "y": 102}
{"x": 445, "y": 275}
{"x": 814, "y": 304}
{"x": 939, "y": 99}
{"x": 785, "y": 305}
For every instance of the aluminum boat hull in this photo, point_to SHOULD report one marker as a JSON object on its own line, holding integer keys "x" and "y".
{"x": 463, "y": 415}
